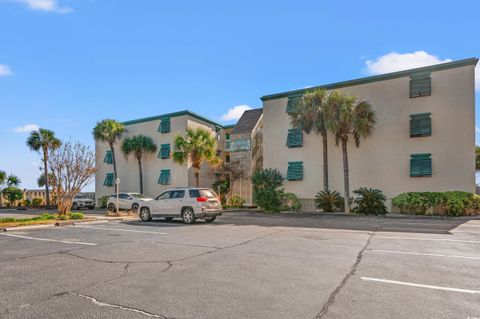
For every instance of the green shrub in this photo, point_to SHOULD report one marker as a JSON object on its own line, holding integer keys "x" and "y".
{"x": 369, "y": 201}
{"x": 475, "y": 203}
{"x": 266, "y": 192}
{"x": 27, "y": 202}
{"x": 236, "y": 201}
{"x": 47, "y": 216}
{"x": 329, "y": 201}
{"x": 412, "y": 202}
{"x": 290, "y": 201}
{"x": 7, "y": 219}
{"x": 76, "y": 216}
{"x": 456, "y": 203}
{"x": 103, "y": 201}
{"x": 36, "y": 202}
{"x": 222, "y": 187}
{"x": 62, "y": 217}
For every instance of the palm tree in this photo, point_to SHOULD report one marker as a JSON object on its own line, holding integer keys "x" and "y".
{"x": 7, "y": 181}
{"x": 197, "y": 146}
{"x": 138, "y": 145}
{"x": 109, "y": 131}
{"x": 309, "y": 115}
{"x": 477, "y": 158}
{"x": 44, "y": 141}
{"x": 349, "y": 117}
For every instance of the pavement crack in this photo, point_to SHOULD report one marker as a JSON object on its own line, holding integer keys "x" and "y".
{"x": 334, "y": 293}
{"x": 100, "y": 303}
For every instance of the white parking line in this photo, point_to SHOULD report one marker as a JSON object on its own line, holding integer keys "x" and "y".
{"x": 411, "y": 284}
{"x": 120, "y": 229}
{"x": 48, "y": 239}
{"x": 422, "y": 254}
{"x": 432, "y": 239}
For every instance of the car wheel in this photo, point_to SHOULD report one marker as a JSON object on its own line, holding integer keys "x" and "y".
{"x": 135, "y": 208}
{"x": 168, "y": 218}
{"x": 188, "y": 216}
{"x": 145, "y": 214}
{"x": 74, "y": 206}
{"x": 210, "y": 219}
{"x": 111, "y": 208}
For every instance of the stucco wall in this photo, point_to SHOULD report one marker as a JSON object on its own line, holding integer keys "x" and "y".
{"x": 383, "y": 160}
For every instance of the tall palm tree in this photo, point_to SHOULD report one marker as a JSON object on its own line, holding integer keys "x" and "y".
{"x": 309, "y": 115}
{"x": 197, "y": 146}
{"x": 137, "y": 146}
{"x": 349, "y": 118}
{"x": 44, "y": 141}
{"x": 109, "y": 131}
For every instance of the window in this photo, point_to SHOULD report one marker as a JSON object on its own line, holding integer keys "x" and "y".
{"x": 420, "y": 85}
{"x": 194, "y": 193}
{"x": 164, "y": 195}
{"x": 293, "y": 101}
{"x": 164, "y": 178}
{"x": 109, "y": 182}
{"x": 108, "y": 159}
{"x": 295, "y": 138}
{"x": 421, "y": 165}
{"x": 164, "y": 151}
{"x": 420, "y": 125}
{"x": 164, "y": 125}
{"x": 177, "y": 194}
{"x": 295, "y": 171}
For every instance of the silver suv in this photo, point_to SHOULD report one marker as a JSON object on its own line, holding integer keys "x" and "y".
{"x": 188, "y": 203}
{"x": 82, "y": 201}
{"x": 127, "y": 201}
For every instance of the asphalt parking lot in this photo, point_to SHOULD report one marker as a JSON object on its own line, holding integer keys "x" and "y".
{"x": 245, "y": 265}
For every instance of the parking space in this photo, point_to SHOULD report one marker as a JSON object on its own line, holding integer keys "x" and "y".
{"x": 245, "y": 265}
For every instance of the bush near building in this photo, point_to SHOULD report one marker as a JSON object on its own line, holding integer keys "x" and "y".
{"x": 290, "y": 201}
{"x": 266, "y": 192}
{"x": 369, "y": 201}
{"x": 329, "y": 201}
{"x": 454, "y": 203}
{"x": 236, "y": 201}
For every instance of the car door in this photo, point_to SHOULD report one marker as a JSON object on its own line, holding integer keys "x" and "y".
{"x": 123, "y": 201}
{"x": 176, "y": 202}
{"x": 160, "y": 206}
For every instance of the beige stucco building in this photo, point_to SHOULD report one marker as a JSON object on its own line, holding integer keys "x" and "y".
{"x": 159, "y": 170}
{"x": 424, "y": 139}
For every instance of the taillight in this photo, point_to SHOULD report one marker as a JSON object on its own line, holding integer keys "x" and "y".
{"x": 202, "y": 199}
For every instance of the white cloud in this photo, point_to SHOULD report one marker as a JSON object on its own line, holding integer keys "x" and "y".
{"x": 235, "y": 112}
{"x": 477, "y": 129}
{"x": 46, "y": 5}
{"x": 5, "y": 70}
{"x": 27, "y": 128}
{"x": 394, "y": 61}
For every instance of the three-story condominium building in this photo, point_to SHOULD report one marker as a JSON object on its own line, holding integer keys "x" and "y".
{"x": 159, "y": 170}
{"x": 424, "y": 139}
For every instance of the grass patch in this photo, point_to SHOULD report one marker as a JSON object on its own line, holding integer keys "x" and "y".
{"x": 44, "y": 218}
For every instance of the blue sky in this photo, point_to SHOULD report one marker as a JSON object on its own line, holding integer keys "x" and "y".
{"x": 66, "y": 64}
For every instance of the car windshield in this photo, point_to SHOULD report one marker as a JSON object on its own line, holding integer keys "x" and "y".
{"x": 137, "y": 195}
{"x": 207, "y": 193}
{"x": 80, "y": 196}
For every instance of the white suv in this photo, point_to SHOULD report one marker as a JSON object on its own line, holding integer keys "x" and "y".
{"x": 188, "y": 203}
{"x": 82, "y": 201}
{"x": 128, "y": 201}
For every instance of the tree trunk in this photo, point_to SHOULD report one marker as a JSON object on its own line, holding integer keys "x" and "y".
{"x": 47, "y": 180}
{"x": 139, "y": 159}
{"x": 346, "y": 182}
{"x": 196, "y": 173}
{"x": 114, "y": 167}
{"x": 325, "y": 161}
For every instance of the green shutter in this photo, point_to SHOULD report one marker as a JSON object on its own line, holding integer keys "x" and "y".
{"x": 109, "y": 182}
{"x": 420, "y": 125}
{"x": 293, "y": 101}
{"x": 295, "y": 138}
{"x": 164, "y": 125}
{"x": 420, "y": 85}
{"x": 421, "y": 165}
{"x": 108, "y": 159}
{"x": 295, "y": 171}
{"x": 164, "y": 178}
{"x": 164, "y": 151}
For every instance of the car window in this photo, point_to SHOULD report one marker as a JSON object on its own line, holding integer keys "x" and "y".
{"x": 123, "y": 196}
{"x": 207, "y": 193}
{"x": 163, "y": 195}
{"x": 194, "y": 193}
{"x": 177, "y": 194}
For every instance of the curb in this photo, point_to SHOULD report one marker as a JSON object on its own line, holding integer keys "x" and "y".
{"x": 28, "y": 227}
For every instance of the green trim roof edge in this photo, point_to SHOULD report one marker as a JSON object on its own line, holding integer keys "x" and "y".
{"x": 375, "y": 78}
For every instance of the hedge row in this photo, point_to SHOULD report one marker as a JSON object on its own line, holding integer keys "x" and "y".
{"x": 454, "y": 203}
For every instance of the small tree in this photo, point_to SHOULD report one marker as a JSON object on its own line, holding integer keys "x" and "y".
{"x": 44, "y": 142}
{"x": 12, "y": 194}
{"x": 196, "y": 147}
{"x": 138, "y": 145}
{"x": 265, "y": 189}
{"x": 73, "y": 165}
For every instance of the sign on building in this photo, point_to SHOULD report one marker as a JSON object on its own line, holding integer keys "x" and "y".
{"x": 240, "y": 144}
